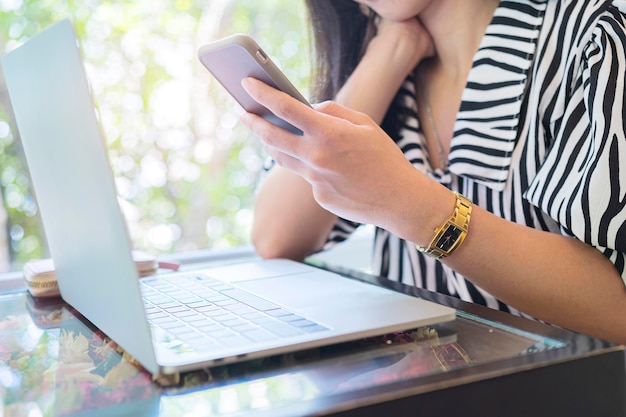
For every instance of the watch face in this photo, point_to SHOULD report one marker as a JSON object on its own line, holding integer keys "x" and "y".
{"x": 449, "y": 238}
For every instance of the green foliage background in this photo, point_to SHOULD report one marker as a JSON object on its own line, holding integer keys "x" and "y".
{"x": 185, "y": 169}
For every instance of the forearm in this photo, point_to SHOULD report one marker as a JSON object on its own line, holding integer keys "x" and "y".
{"x": 552, "y": 277}
{"x": 388, "y": 60}
{"x": 288, "y": 223}
{"x": 372, "y": 86}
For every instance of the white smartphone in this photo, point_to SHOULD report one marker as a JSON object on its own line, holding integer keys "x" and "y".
{"x": 238, "y": 56}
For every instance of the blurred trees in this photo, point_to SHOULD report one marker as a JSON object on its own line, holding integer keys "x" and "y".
{"x": 185, "y": 169}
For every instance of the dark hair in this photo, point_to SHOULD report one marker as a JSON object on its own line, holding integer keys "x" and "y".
{"x": 340, "y": 32}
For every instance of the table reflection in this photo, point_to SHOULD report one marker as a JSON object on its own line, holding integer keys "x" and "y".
{"x": 54, "y": 363}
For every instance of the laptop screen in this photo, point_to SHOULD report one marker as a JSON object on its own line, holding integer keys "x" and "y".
{"x": 74, "y": 184}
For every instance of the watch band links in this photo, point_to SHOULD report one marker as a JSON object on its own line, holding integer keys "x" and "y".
{"x": 452, "y": 232}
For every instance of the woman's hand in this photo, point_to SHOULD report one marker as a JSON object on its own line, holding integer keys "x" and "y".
{"x": 390, "y": 57}
{"x": 403, "y": 43}
{"x": 341, "y": 154}
{"x": 355, "y": 170}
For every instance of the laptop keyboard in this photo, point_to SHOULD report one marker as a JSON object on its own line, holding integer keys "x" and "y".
{"x": 204, "y": 313}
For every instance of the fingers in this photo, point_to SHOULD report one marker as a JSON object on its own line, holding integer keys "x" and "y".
{"x": 298, "y": 113}
{"x": 270, "y": 134}
{"x": 326, "y": 128}
{"x": 286, "y": 161}
{"x": 277, "y": 142}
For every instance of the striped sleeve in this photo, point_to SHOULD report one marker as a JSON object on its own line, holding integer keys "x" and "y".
{"x": 581, "y": 184}
{"x": 341, "y": 231}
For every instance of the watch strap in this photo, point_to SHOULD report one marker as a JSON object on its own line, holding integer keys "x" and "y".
{"x": 452, "y": 232}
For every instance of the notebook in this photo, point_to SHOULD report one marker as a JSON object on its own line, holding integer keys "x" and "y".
{"x": 301, "y": 305}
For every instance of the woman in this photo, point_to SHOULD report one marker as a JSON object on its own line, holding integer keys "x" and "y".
{"x": 513, "y": 106}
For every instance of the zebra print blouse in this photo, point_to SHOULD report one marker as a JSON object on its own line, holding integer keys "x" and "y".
{"x": 539, "y": 138}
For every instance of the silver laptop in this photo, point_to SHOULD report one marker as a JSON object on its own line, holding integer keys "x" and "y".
{"x": 173, "y": 322}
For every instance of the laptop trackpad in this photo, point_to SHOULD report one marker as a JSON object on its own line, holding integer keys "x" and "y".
{"x": 257, "y": 270}
{"x": 329, "y": 298}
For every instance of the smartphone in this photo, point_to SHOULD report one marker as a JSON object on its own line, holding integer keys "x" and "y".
{"x": 238, "y": 56}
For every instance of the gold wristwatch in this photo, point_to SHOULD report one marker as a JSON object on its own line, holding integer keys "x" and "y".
{"x": 449, "y": 236}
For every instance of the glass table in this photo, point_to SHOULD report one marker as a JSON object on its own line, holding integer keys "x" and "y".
{"x": 55, "y": 363}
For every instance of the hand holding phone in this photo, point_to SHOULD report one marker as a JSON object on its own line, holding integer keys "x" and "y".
{"x": 238, "y": 56}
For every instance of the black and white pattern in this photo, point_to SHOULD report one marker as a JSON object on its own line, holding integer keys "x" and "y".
{"x": 548, "y": 80}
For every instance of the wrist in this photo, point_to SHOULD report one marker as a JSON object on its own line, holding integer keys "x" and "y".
{"x": 452, "y": 232}
{"x": 397, "y": 50}
{"x": 404, "y": 42}
{"x": 419, "y": 210}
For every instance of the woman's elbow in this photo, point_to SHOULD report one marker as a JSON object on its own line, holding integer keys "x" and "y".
{"x": 268, "y": 248}
{"x": 274, "y": 245}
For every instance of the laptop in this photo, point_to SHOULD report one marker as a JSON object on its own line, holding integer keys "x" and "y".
{"x": 170, "y": 322}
